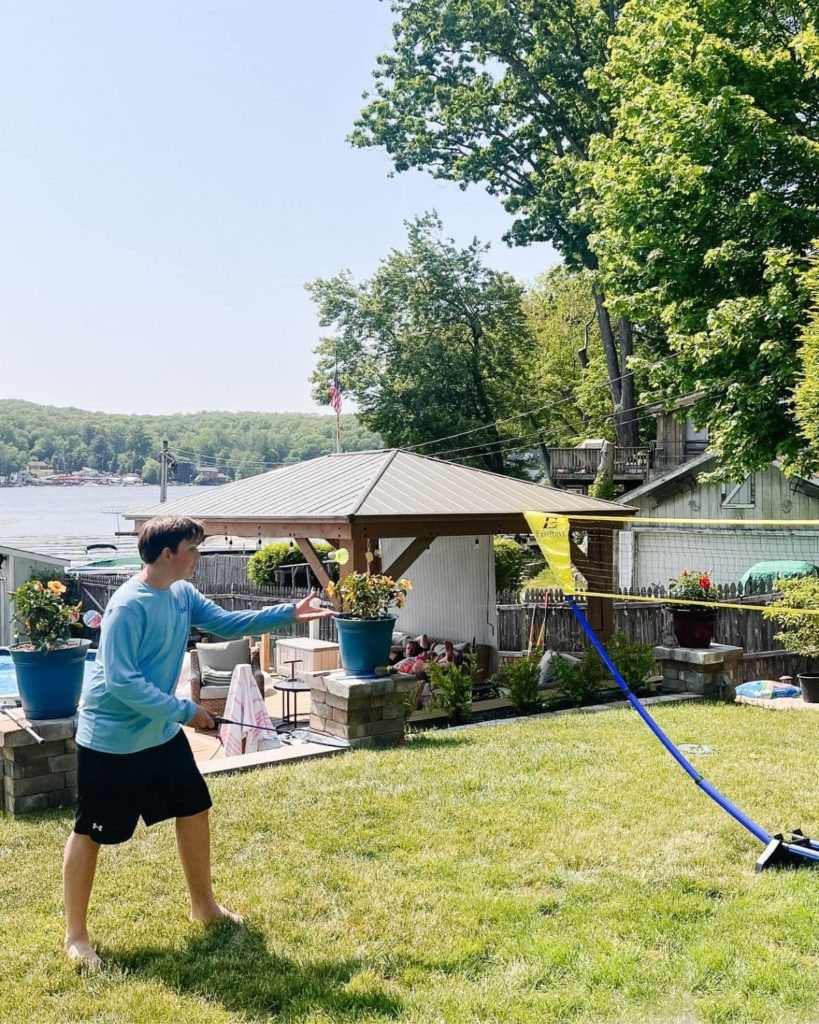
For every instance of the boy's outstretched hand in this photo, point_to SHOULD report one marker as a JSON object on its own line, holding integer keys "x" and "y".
{"x": 305, "y": 609}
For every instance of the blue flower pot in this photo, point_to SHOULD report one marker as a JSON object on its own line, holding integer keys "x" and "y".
{"x": 50, "y": 682}
{"x": 364, "y": 644}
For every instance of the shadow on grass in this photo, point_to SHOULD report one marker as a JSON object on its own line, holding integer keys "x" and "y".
{"x": 232, "y": 966}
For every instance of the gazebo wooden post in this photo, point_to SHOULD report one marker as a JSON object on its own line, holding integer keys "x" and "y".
{"x": 600, "y": 611}
{"x": 356, "y": 544}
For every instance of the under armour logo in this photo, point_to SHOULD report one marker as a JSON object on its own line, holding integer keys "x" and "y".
{"x": 96, "y": 826}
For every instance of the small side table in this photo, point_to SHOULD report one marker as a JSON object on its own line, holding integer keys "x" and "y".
{"x": 290, "y": 688}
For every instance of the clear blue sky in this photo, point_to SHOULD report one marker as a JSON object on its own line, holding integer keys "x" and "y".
{"x": 171, "y": 174}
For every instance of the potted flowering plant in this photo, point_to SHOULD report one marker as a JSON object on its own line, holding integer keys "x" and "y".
{"x": 48, "y": 663}
{"x": 693, "y": 623}
{"x": 363, "y": 624}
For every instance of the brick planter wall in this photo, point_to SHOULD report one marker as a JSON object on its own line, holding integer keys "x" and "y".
{"x": 706, "y": 670}
{"x": 363, "y": 711}
{"x": 37, "y": 776}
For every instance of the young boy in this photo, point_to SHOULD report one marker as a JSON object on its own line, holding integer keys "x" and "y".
{"x": 133, "y": 757}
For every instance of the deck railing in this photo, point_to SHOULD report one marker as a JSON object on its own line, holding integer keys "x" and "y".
{"x": 584, "y": 462}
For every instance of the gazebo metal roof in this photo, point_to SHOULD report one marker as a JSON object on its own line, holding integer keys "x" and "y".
{"x": 355, "y": 499}
{"x": 390, "y": 490}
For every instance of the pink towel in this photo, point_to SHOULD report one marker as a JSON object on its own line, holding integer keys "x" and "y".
{"x": 246, "y": 704}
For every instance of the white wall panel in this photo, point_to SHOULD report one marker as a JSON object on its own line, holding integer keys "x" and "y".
{"x": 453, "y": 594}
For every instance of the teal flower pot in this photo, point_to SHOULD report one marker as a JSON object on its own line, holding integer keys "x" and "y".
{"x": 364, "y": 644}
{"x": 50, "y": 682}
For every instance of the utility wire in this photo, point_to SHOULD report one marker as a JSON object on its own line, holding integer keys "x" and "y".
{"x": 518, "y": 416}
{"x": 532, "y": 433}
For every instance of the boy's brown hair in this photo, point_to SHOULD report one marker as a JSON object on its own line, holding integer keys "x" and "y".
{"x": 167, "y": 532}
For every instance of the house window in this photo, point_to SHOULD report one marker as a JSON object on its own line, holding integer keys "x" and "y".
{"x": 741, "y": 495}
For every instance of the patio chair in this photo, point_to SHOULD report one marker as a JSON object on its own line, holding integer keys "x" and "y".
{"x": 212, "y": 666}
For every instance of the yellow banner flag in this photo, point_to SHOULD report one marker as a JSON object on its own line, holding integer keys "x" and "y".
{"x": 552, "y": 535}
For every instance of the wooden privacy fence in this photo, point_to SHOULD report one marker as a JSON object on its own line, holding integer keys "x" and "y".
{"x": 521, "y": 616}
{"x": 223, "y": 578}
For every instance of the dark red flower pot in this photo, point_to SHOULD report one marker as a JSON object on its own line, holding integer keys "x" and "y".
{"x": 694, "y": 627}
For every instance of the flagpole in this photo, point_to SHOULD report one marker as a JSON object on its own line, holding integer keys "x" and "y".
{"x": 337, "y": 405}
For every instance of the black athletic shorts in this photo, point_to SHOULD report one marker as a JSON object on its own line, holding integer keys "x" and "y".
{"x": 114, "y": 790}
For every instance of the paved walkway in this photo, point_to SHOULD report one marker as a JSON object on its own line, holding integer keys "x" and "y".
{"x": 778, "y": 703}
{"x": 206, "y": 746}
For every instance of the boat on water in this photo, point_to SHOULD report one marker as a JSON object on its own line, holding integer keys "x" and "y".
{"x": 111, "y": 564}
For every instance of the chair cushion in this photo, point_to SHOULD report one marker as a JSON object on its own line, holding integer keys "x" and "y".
{"x": 223, "y": 657}
{"x": 213, "y": 693}
{"x": 212, "y": 677}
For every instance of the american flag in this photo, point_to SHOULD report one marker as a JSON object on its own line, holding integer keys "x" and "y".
{"x": 335, "y": 396}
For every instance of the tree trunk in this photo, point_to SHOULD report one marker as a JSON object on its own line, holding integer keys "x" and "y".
{"x": 543, "y": 450}
{"x": 492, "y": 455}
{"x": 621, "y": 380}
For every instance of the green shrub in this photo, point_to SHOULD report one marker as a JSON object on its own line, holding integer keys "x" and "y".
{"x": 603, "y": 487}
{"x": 509, "y": 559}
{"x": 577, "y": 682}
{"x": 261, "y": 568}
{"x": 799, "y": 633}
{"x": 633, "y": 659}
{"x": 452, "y": 687}
{"x": 520, "y": 679}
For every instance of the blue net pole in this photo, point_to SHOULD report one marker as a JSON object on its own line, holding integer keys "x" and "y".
{"x": 686, "y": 765}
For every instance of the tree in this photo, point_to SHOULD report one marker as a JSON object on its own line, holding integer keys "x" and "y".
{"x": 707, "y": 197}
{"x": 570, "y": 365}
{"x": 807, "y": 392}
{"x": 434, "y": 344}
{"x": 497, "y": 92}
{"x": 150, "y": 471}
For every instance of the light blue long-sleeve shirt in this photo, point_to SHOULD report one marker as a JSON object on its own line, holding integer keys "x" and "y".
{"x": 128, "y": 701}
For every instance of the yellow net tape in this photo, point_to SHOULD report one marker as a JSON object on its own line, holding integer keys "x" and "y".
{"x": 692, "y": 522}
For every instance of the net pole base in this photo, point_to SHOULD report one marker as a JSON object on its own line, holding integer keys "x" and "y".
{"x": 800, "y": 852}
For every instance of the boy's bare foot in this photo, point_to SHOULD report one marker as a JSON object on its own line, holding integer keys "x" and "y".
{"x": 215, "y": 913}
{"x": 83, "y": 952}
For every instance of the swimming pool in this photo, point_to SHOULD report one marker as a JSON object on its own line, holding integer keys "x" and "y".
{"x": 8, "y": 678}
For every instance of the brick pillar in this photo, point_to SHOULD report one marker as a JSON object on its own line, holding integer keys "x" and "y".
{"x": 363, "y": 711}
{"x": 38, "y": 775}
{"x": 703, "y": 670}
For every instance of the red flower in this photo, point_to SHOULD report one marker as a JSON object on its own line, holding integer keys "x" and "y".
{"x": 705, "y": 583}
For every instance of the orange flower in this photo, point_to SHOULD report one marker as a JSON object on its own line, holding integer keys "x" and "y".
{"x": 56, "y": 587}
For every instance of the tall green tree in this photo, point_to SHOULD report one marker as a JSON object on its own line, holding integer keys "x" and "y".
{"x": 706, "y": 194}
{"x": 569, "y": 365}
{"x": 806, "y": 401}
{"x": 497, "y": 92}
{"x": 433, "y": 344}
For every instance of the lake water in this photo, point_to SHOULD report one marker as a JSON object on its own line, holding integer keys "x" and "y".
{"x": 63, "y": 520}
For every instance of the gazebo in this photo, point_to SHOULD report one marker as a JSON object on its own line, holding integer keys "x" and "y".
{"x": 393, "y": 504}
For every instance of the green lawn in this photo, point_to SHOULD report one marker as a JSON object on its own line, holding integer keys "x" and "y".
{"x": 560, "y": 870}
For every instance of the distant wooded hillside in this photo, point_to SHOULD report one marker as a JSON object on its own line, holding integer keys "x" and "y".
{"x": 239, "y": 444}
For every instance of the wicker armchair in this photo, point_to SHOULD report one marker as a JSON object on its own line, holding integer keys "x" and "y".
{"x": 212, "y": 666}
